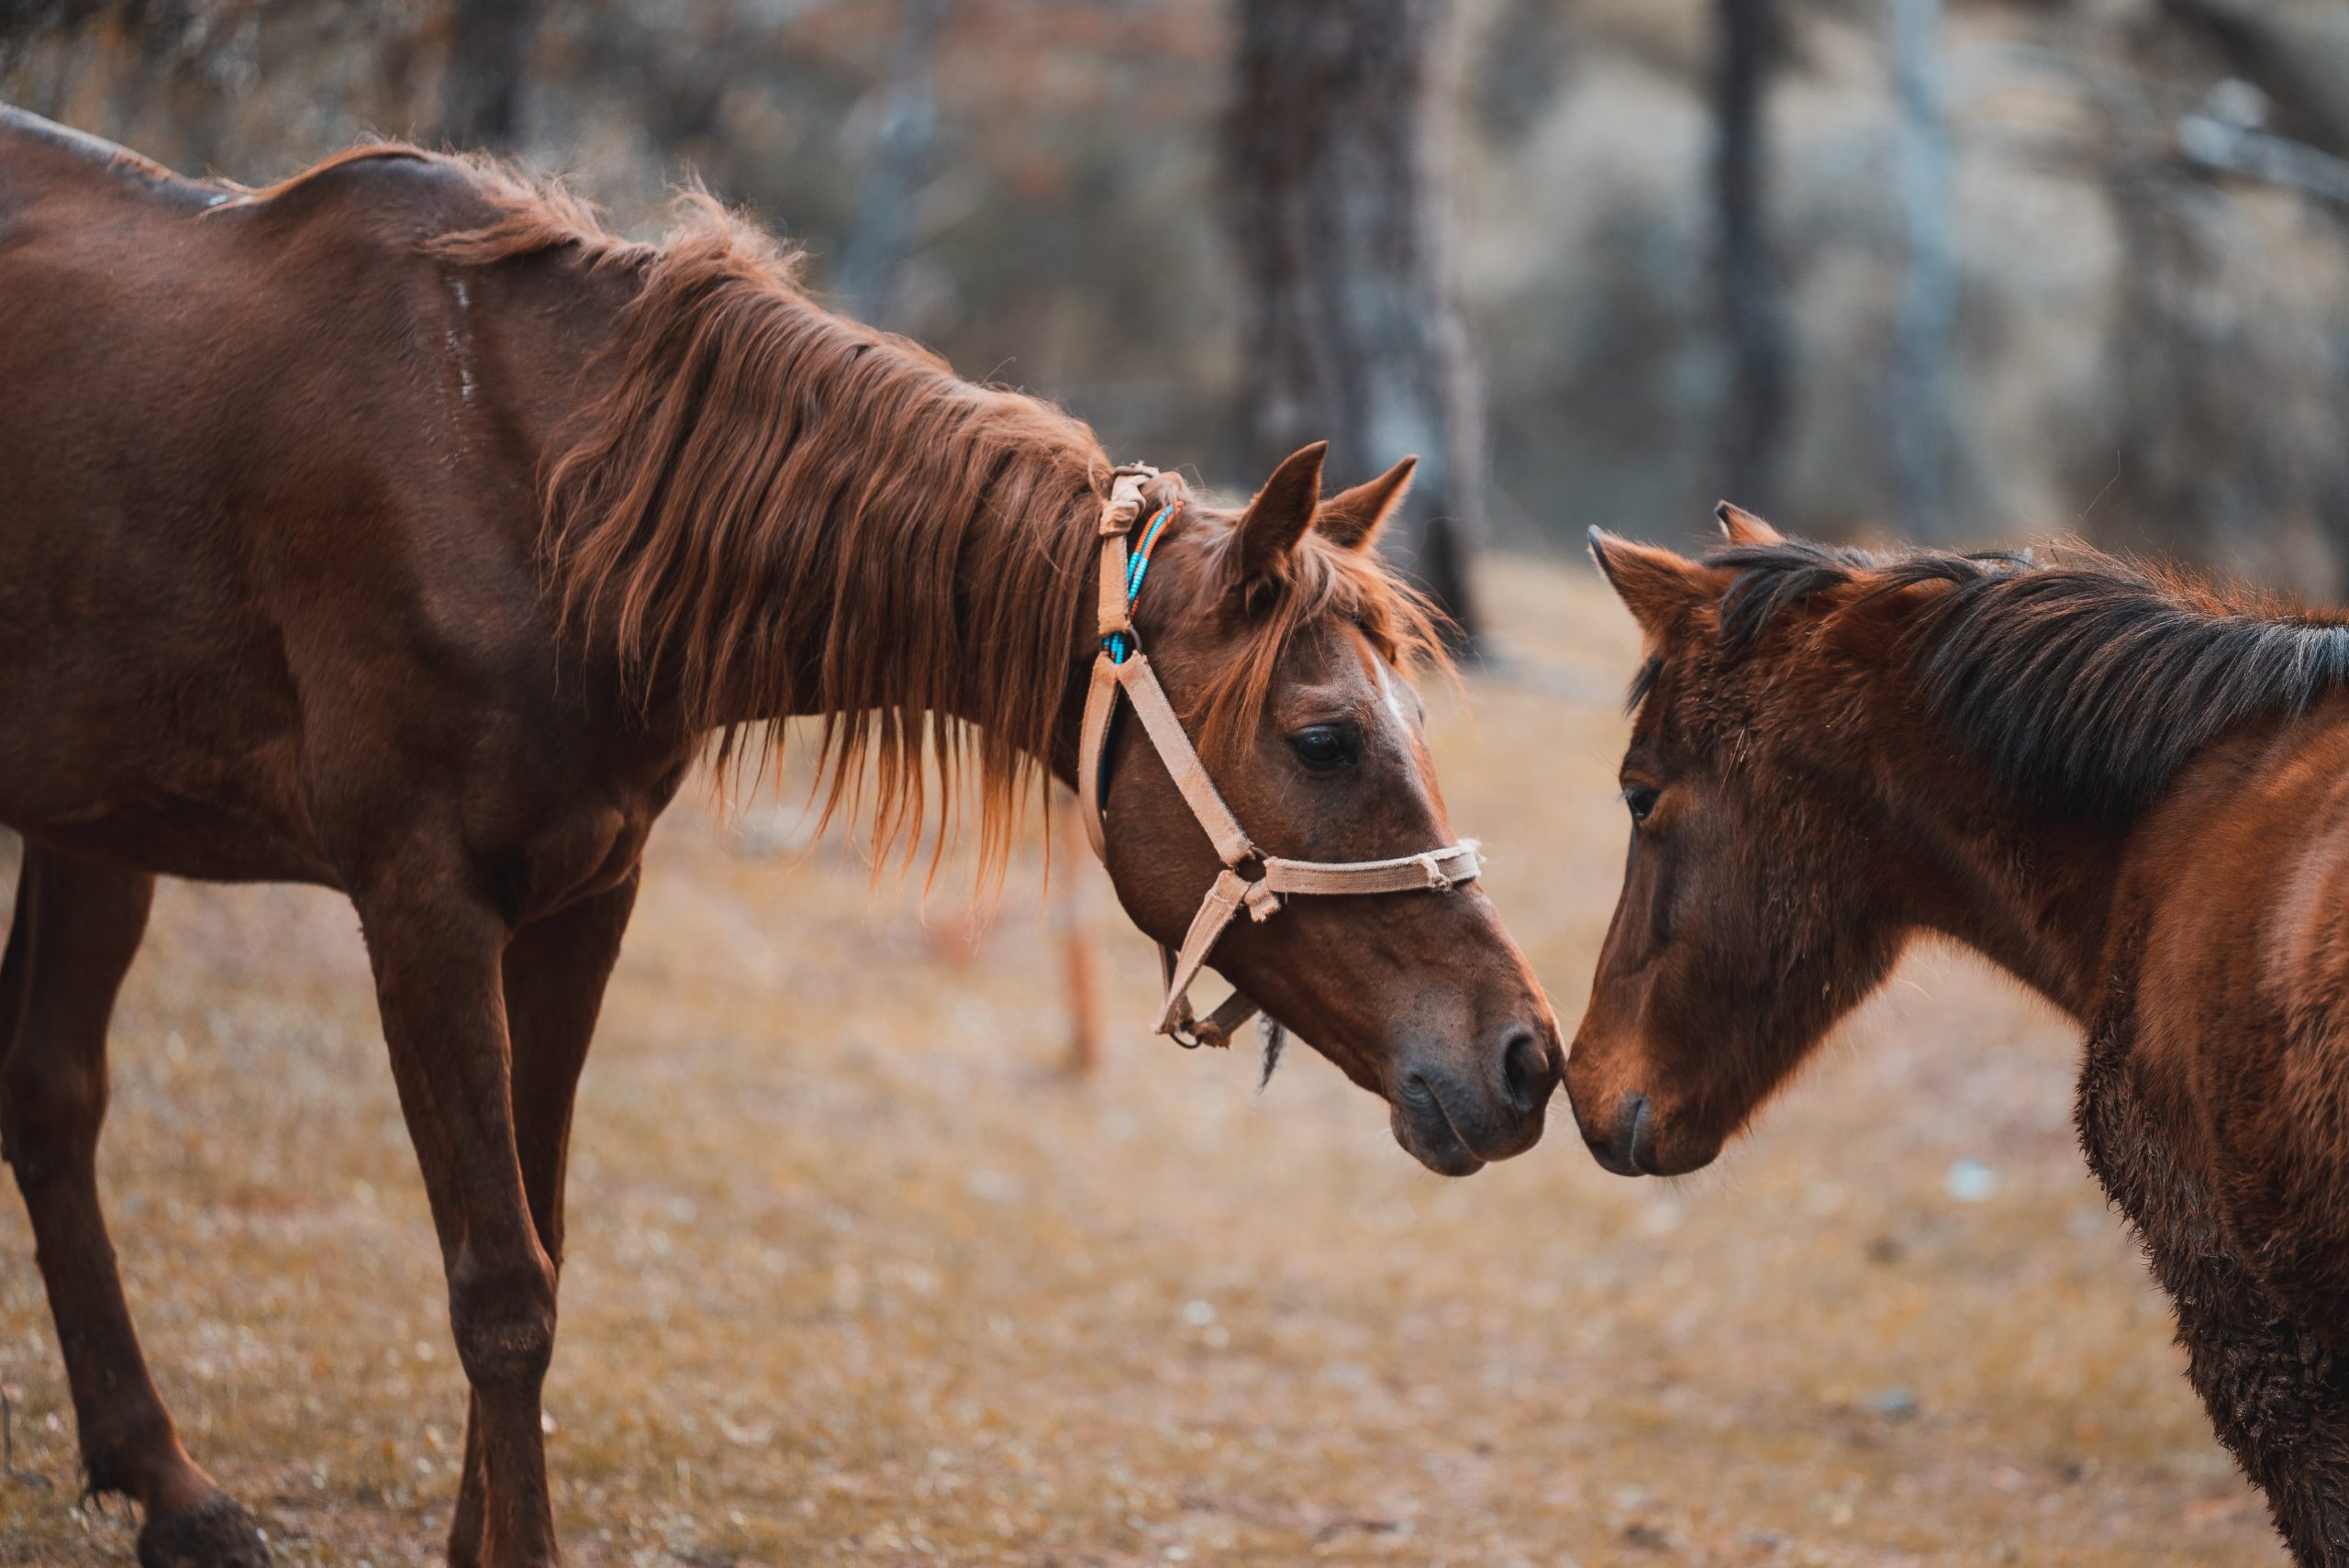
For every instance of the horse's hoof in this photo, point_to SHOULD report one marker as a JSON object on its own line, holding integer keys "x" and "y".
{"x": 214, "y": 1533}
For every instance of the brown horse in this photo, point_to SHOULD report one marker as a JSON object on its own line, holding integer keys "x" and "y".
{"x": 2128, "y": 790}
{"x": 398, "y": 529}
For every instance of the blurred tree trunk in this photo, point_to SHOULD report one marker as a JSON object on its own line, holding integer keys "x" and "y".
{"x": 22, "y": 21}
{"x": 2179, "y": 490}
{"x": 2219, "y": 459}
{"x": 483, "y": 86}
{"x": 1351, "y": 331}
{"x": 1928, "y": 310}
{"x": 873, "y": 261}
{"x": 1754, "y": 422}
{"x": 2296, "y": 52}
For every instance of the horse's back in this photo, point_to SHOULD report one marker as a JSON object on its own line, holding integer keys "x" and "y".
{"x": 105, "y": 254}
{"x": 250, "y": 477}
{"x": 148, "y": 321}
{"x": 38, "y": 156}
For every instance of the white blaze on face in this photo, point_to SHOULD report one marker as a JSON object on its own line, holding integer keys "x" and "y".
{"x": 1414, "y": 742}
{"x": 1387, "y": 692}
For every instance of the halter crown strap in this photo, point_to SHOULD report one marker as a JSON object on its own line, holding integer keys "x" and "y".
{"x": 1121, "y": 668}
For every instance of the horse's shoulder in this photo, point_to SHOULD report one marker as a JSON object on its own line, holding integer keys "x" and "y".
{"x": 2241, "y": 869}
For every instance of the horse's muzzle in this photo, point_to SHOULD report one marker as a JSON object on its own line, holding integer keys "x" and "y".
{"x": 1628, "y": 1147}
{"x": 1456, "y": 1126}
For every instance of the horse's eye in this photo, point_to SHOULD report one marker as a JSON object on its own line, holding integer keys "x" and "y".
{"x": 1640, "y": 800}
{"x": 1321, "y": 747}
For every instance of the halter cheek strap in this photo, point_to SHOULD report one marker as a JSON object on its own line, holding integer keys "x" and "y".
{"x": 1122, "y": 669}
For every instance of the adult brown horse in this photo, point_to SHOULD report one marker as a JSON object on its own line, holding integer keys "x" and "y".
{"x": 398, "y": 529}
{"x": 2128, "y": 790}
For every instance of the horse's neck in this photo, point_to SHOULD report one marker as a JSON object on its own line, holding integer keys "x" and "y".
{"x": 2031, "y": 893}
{"x": 766, "y": 513}
{"x": 903, "y": 622}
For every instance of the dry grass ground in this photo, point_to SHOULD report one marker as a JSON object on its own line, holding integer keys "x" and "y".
{"x": 855, "y": 1279}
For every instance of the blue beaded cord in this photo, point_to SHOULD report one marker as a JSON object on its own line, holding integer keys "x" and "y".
{"x": 1137, "y": 568}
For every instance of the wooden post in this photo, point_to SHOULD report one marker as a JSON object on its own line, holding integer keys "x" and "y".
{"x": 1071, "y": 874}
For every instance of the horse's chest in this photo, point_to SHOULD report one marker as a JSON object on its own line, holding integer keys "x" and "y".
{"x": 576, "y": 855}
{"x": 2131, "y": 1128}
{"x": 2122, "y": 1136}
{"x": 546, "y": 834}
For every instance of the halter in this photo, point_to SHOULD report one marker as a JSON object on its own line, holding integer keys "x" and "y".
{"x": 1121, "y": 667}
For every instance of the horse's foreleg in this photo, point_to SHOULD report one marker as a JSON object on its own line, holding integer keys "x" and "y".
{"x": 2266, "y": 1333}
{"x": 554, "y": 974}
{"x": 2278, "y": 1395}
{"x": 78, "y": 925}
{"x": 438, "y": 979}
{"x": 2272, "y": 1377}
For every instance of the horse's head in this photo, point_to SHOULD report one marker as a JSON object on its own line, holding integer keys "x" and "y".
{"x": 1751, "y": 916}
{"x": 1283, "y": 641}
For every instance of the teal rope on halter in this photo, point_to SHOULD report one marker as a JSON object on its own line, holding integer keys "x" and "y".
{"x": 1136, "y": 569}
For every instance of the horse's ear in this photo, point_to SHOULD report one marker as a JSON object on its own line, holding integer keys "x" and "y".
{"x": 1353, "y": 517}
{"x": 1657, "y": 587}
{"x": 1280, "y": 514}
{"x": 1742, "y": 527}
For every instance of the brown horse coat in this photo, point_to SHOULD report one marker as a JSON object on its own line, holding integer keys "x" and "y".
{"x": 2131, "y": 791}
{"x": 398, "y": 529}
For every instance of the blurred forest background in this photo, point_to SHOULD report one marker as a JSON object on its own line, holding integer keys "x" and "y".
{"x": 1979, "y": 272}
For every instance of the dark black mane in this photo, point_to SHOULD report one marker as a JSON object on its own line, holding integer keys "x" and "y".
{"x": 2084, "y": 682}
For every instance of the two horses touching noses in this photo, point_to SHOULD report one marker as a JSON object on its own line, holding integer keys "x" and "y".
{"x": 427, "y": 535}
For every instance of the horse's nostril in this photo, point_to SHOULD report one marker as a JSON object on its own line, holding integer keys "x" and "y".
{"x": 1525, "y": 1069}
{"x": 1632, "y": 1114}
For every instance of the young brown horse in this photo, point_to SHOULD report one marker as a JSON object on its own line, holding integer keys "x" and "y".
{"x": 398, "y": 529}
{"x": 2130, "y": 792}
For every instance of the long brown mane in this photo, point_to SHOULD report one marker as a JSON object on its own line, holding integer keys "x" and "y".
{"x": 774, "y": 509}
{"x": 2084, "y": 681}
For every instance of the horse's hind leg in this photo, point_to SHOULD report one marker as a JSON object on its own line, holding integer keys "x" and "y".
{"x": 78, "y": 925}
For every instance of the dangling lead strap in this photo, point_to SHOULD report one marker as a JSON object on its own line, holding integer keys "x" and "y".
{"x": 1123, "y": 669}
